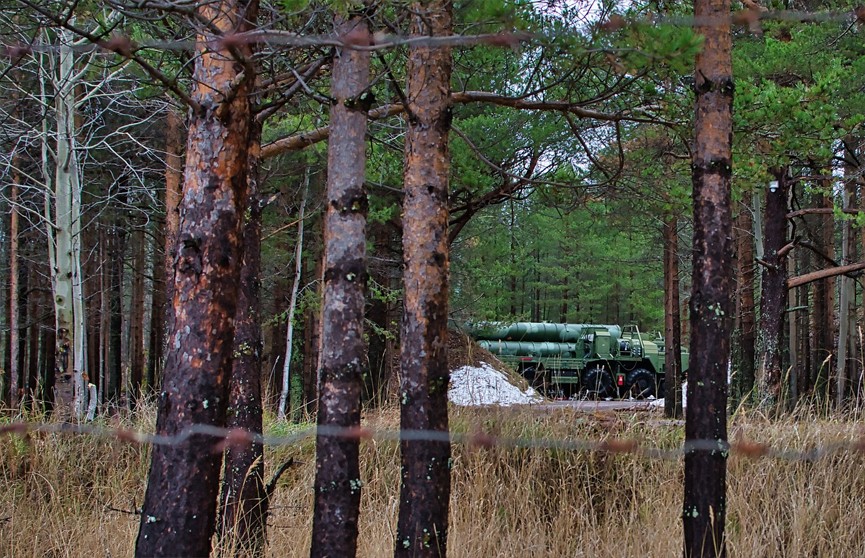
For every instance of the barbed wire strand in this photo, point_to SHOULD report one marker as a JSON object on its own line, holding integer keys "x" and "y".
{"x": 749, "y": 17}
{"x": 224, "y": 437}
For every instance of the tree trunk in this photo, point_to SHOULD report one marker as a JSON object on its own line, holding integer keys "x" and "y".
{"x": 823, "y": 295}
{"x": 672, "y": 325}
{"x": 14, "y": 371}
{"x": 114, "y": 365}
{"x": 747, "y": 310}
{"x": 425, "y": 489}
{"x": 846, "y": 293}
{"x": 157, "y": 313}
{"x": 136, "y": 317}
{"x": 63, "y": 226}
{"x": 285, "y": 391}
{"x": 773, "y": 299}
{"x": 173, "y": 193}
{"x": 711, "y": 306}
{"x": 244, "y": 501}
{"x": 312, "y": 345}
{"x": 337, "y": 471}
{"x": 179, "y": 511}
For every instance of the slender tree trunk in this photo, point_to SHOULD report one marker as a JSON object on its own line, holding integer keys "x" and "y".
{"x": 773, "y": 301}
{"x": 136, "y": 318}
{"x": 173, "y": 193}
{"x": 747, "y": 312}
{"x": 285, "y": 392}
{"x": 114, "y": 365}
{"x": 14, "y": 371}
{"x": 312, "y": 345}
{"x": 824, "y": 313}
{"x": 157, "y": 314}
{"x": 846, "y": 294}
{"x": 672, "y": 324}
{"x": 711, "y": 305}
{"x": 425, "y": 489}
{"x": 244, "y": 501}
{"x": 179, "y": 511}
{"x": 337, "y": 471}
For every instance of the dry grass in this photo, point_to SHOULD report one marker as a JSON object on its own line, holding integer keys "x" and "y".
{"x": 56, "y": 492}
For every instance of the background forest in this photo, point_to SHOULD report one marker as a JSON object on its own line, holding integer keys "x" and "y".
{"x": 311, "y": 192}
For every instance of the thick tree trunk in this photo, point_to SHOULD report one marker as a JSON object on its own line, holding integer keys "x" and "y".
{"x": 704, "y": 510}
{"x": 425, "y": 489}
{"x": 179, "y": 512}
{"x": 773, "y": 300}
{"x": 672, "y": 324}
{"x": 747, "y": 315}
{"x": 244, "y": 501}
{"x": 337, "y": 471}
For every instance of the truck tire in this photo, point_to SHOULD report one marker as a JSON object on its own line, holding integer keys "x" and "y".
{"x": 641, "y": 384}
{"x": 597, "y": 382}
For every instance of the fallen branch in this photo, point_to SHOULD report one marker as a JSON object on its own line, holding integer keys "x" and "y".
{"x": 824, "y": 274}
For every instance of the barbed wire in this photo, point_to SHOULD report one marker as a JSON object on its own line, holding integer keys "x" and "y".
{"x": 750, "y": 17}
{"x": 225, "y": 438}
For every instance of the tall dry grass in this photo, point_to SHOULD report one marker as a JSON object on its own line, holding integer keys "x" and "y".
{"x": 59, "y": 493}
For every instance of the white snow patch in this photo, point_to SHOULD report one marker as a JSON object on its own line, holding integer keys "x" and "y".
{"x": 484, "y": 385}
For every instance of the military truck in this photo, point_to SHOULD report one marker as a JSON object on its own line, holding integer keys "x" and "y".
{"x": 586, "y": 360}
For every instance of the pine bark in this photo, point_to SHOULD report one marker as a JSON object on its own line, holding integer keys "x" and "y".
{"x": 422, "y": 525}
{"x": 14, "y": 370}
{"x": 823, "y": 317}
{"x": 711, "y": 308}
{"x": 672, "y": 324}
{"x": 136, "y": 318}
{"x": 747, "y": 332}
{"x": 244, "y": 501}
{"x": 337, "y": 470}
{"x": 179, "y": 511}
{"x": 773, "y": 299}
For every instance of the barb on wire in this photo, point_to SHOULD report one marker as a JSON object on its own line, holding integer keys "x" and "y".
{"x": 225, "y": 437}
{"x": 750, "y": 17}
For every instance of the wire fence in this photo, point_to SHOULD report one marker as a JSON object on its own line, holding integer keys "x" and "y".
{"x": 224, "y": 438}
{"x": 750, "y": 17}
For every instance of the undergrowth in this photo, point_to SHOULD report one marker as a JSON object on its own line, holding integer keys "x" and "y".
{"x": 72, "y": 495}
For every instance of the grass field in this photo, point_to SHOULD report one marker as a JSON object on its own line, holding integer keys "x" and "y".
{"x": 66, "y": 495}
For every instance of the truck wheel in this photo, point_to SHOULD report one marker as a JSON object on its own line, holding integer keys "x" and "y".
{"x": 641, "y": 384}
{"x": 597, "y": 382}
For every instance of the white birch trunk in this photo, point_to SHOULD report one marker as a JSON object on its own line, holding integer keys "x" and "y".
{"x": 64, "y": 234}
{"x": 292, "y": 304}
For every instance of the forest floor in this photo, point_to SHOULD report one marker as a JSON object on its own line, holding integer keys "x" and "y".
{"x": 537, "y": 486}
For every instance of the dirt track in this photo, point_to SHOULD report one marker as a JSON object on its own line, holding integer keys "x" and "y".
{"x": 594, "y": 406}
